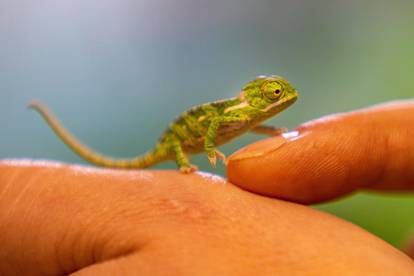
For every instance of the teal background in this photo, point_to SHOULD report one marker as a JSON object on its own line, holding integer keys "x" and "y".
{"x": 117, "y": 71}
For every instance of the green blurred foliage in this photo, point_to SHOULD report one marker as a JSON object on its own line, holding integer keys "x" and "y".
{"x": 116, "y": 72}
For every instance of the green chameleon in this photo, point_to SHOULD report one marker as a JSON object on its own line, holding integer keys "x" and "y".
{"x": 201, "y": 128}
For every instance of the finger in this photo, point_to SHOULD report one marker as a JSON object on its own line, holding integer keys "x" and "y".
{"x": 332, "y": 156}
{"x": 56, "y": 219}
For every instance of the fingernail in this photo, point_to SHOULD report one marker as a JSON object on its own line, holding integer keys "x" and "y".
{"x": 292, "y": 135}
{"x": 264, "y": 146}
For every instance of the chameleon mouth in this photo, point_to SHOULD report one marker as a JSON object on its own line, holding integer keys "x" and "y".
{"x": 282, "y": 103}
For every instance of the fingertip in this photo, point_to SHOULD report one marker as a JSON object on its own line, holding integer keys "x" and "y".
{"x": 272, "y": 167}
{"x": 257, "y": 149}
{"x": 317, "y": 164}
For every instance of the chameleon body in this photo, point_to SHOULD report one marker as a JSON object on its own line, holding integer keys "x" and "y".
{"x": 201, "y": 128}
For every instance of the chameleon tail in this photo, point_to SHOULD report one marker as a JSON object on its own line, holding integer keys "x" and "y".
{"x": 148, "y": 159}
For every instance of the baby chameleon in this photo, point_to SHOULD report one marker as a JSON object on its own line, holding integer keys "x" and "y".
{"x": 202, "y": 128}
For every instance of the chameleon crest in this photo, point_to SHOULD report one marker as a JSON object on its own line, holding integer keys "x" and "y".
{"x": 200, "y": 129}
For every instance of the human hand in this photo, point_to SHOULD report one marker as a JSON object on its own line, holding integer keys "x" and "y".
{"x": 59, "y": 219}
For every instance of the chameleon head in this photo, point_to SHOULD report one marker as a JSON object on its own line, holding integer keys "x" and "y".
{"x": 270, "y": 94}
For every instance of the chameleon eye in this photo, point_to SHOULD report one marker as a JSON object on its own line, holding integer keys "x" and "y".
{"x": 272, "y": 90}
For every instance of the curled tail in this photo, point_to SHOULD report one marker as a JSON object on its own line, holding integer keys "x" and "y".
{"x": 146, "y": 160}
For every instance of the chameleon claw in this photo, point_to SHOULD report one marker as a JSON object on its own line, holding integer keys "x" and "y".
{"x": 213, "y": 160}
{"x": 221, "y": 156}
{"x": 189, "y": 169}
{"x": 212, "y": 157}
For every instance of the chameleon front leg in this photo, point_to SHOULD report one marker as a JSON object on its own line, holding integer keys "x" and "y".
{"x": 181, "y": 158}
{"x": 209, "y": 145}
{"x": 268, "y": 130}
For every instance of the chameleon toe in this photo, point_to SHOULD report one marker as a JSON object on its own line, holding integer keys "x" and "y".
{"x": 213, "y": 160}
{"x": 221, "y": 156}
{"x": 190, "y": 169}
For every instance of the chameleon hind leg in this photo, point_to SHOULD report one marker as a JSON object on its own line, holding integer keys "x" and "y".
{"x": 181, "y": 158}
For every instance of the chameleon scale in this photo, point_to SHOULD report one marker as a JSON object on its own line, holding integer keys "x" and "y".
{"x": 200, "y": 129}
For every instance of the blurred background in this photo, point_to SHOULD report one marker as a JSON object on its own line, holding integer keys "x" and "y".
{"x": 117, "y": 71}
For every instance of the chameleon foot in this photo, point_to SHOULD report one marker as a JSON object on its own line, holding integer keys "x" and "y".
{"x": 213, "y": 160}
{"x": 189, "y": 169}
{"x": 212, "y": 157}
{"x": 221, "y": 156}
